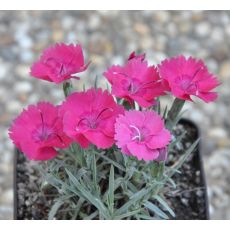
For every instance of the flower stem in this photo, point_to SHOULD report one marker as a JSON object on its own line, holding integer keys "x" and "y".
{"x": 157, "y": 169}
{"x": 161, "y": 170}
{"x": 173, "y": 113}
{"x": 67, "y": 88}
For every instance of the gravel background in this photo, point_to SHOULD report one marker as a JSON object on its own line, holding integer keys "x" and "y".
{"x": 108, "y": 38}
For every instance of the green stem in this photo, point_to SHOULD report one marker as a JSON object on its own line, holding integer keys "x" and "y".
{"x": 158, "y": 169}
{"x": 174, "y": 112}
{"x": 67, "y": 88}
{"x": 127, "y": 105}
{"x": 161, "y": 170}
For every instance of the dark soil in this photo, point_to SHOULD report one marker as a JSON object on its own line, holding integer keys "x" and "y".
{"x": 188, "y": 200}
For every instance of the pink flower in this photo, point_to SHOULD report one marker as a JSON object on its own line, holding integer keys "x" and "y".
{"x": 89, "y": 117}
{"x": 135, "y": 81}
{"x": 186, "y": 77}
{"x": 142, "y": 134}
{"x": 59, "y": 62}
{"x": 38, "y": 130}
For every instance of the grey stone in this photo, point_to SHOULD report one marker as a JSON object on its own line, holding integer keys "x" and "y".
{"x": 225, "y": 70}
{"x": 217, "y": 132}
{"x": 22, "y": 71}
{"x": 3, "y": 72}
{"x": 162, "y": 16}
{"x": 203, "y": 29}
{"x": 26, "y": 56}
{"x": 68, "y": 22}
{"x": 7, "y": 197}
{"x": 94, "y": 21}
{"x": 23, "y": 87}
{"x": 217, "y": 34}
{"x": 141, "y": 28}
{"x": 13, "y": 106}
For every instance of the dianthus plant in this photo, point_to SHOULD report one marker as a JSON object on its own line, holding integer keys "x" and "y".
{"x": 105, "y": 152}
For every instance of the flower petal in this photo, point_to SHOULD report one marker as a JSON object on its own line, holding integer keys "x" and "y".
{"x": 159, "y": 140}
{"x": 141, "y": 151}
{"x": 99, "y": 139}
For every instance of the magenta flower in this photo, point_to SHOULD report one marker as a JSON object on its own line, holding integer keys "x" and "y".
{"x": 135, "y": 81}
{"x": 59, "y": 62}
{"x": 38, "y": 130}
{"x": 142, "y": 134}
{"x": 89, "y": 117}
{"x": 187, "y": 77}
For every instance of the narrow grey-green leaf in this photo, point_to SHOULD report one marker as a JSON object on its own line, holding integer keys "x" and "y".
{"x": 165, "y": 112}
{"x": 96, "y": 82}
{"x": 132, "y": 200}
{"x": 78, "y": 154}
{"x": 178, "y": 140}
{"x": 92, "y": 199}
{"x": 171, "y": 181}
{"x": 81, "y": 172}
{"x": 111, "y": 189}
{"x": 80, "y": 202}
{"x": 91, "y": 216}
{"x": 155, "y": 209}
{"x": 111, "y": 161}
{"x": 94, "y": 171}
{"x": 125, "y": 215}
{"x": 54, "y": 209}
{"x": 132, "y": 187}
{"x": 164, "y": 204}
{"x": 158, "y": 106}
{"x": 183, "y": 158}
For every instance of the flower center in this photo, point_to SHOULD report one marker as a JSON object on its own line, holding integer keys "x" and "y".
{"x": 87, "y": 122}
{"x": 186, "y": 84}
{"x": 133, "y": 87}
{"x": 138, "y": 134}
{"x": 60, "y": 68}
{"x": 92, "y": 120}
{"x": 42, "y": 133}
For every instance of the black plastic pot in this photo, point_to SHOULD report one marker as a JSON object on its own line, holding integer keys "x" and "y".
{"x": 197, "y": 162}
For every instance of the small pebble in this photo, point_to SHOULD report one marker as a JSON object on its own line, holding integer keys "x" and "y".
{"x": 203, "y": 29}
{"x": 23, "y": 87}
